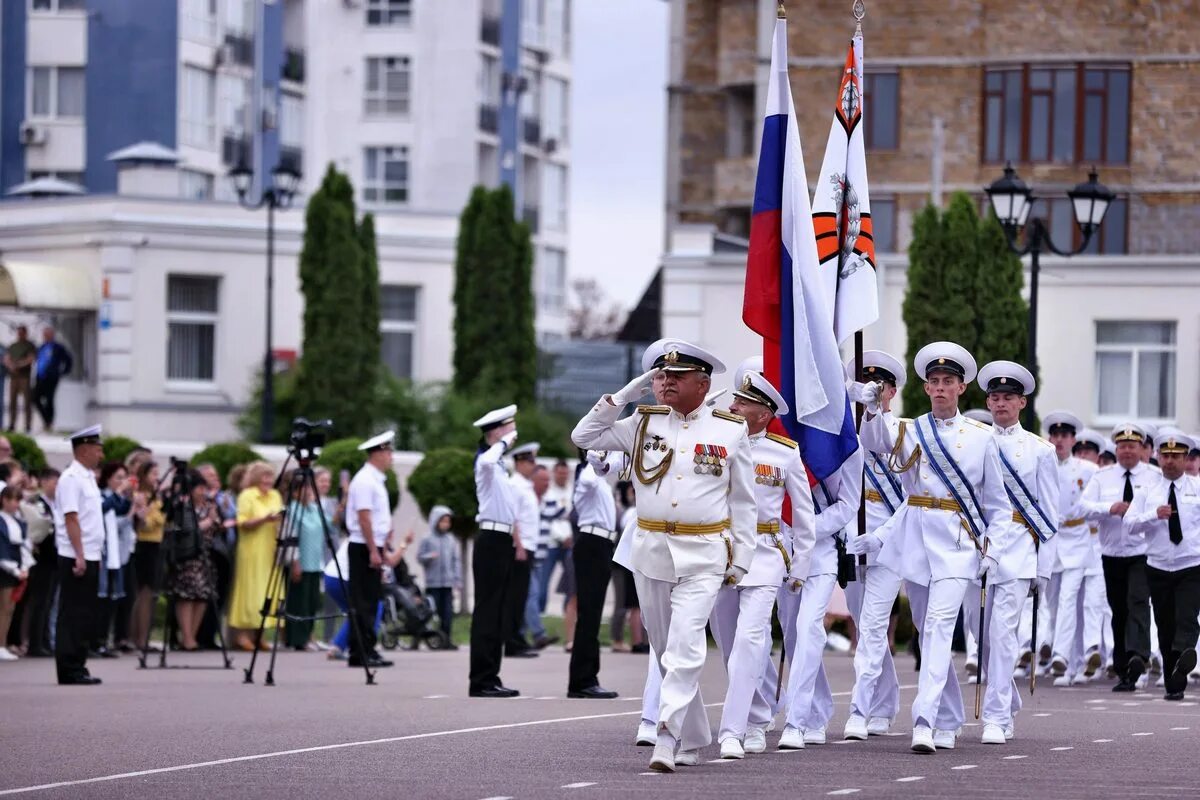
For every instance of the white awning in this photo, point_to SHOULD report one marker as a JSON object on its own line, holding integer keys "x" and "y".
{"x": 47, "y": 287}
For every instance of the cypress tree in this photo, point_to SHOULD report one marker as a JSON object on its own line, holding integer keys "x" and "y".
{"x": 958, "y": 311}
{"x": 925, "y": 266}
{"x": 469, "y": 278}
{"x": 1003, "y": 315}
{"x": 371, "y": 338}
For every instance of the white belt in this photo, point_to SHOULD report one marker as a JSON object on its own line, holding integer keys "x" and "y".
{"x": 498, "y": 527}
{"x": 601, "y": 531}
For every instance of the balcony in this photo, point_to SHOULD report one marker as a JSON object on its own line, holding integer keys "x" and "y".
{"x": 529, "y": 215}
{"x": 236, "y": 149}
{"x": 239, "y": 49}
{"x": 489, "y": 118}
{"x": 531, "y": 131}
{"x": 293, "y": 65}
{"x": 489, "y": 30}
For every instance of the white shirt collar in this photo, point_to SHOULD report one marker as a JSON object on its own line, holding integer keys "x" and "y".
{"x": 949, "y": 423}
{"x": 1009, "y": 431}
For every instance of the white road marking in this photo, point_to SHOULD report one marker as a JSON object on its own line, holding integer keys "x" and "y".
{"x": 1143, "y": 733}
{"x": 844, "y": 791}
{"x": 1185, "y": 728}
{"x": 1014, "y": 758}
{"x": 1043, "y": 714}
{"x": 547, "y": 697}
{"x": 1101, "y": 741}
{"x": 1188, "y": 703}
{"x": 582, "y": 785}
{"x": 844, "y": 741}
{"x": 650, "y": 773}
{"x": 499, "y": 797}
{"x": 1097, "y": 701}
{"x": 965, "y": 766}
{"x": 722, "y": 760}
{"x": 910, "y": 779}
{"x": 1100, "y": 708}
{"x": 1130, "y": 705}
{"x": 435, "y": 697}
{"x": 1060, "y": 749}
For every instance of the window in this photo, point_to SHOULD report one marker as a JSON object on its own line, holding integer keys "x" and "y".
{"x": 557, "y": 26}
{"x": 553, "y": 270}
{"x": 191, "y": 327}
{"x": 554, "y": 197}
{"x": 398, "y": 327}
{"x": 388, "y": 81}
{"x": 58, "y": 5}
{"x": 385, "y": 175}
{"x": 533, "y": 18}
{"x": 1062, "y": 114}
{"x": 883, "y": 224}
{"x": 70, "y": 176}
{"x": 389, "y": 12}
{"x": 195, "y": 185}
{"x": 235, "y": 105}
{"x": 198, "y": 20}
{"x": 881, "y": 110}
{"x": 1060, "y": 220}
{"x": 1135, "y": 370}
{"x": 554, "y": 111}
{"x": 56, "y": 92}
{"x": 198, "y": 127}
{"x": 239, "y": 17}
{"x": 489, "y": 80}
{"x": 291, "y": 120}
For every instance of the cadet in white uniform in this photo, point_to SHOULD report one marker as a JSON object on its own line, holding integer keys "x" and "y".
{"x": 956, "y": 504}
{"x": 529, "y": 524}
{"x": 696, "y": 523}
{"x": 1076, "y": 635}
{"x": 741, "y": 618}
{"x": 1031, "y": 483}
{"x": 1105, "y": 500}
{"x": 875, "y": 700}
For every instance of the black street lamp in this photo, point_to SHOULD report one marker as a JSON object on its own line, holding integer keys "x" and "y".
{"x": 284, "y": 180}
{"x": 1012, "y": 200}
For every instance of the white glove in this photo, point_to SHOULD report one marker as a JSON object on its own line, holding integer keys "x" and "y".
{"x": 987, "y": 565}
{"x": 635, "y": 388}
{"x": 794, "y": 585}
{"x": 868, "y": 394}
{"x": 862, "y": 545}
{"x": 1043, "y": 586}
{"x": 598, "y": 463}
{"x": 734, "y": 575}
{"x": 509, "y": 438}
{"x": 712, "y": 397}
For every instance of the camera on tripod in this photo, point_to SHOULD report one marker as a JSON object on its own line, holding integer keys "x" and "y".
{"x": 308, "y": 435}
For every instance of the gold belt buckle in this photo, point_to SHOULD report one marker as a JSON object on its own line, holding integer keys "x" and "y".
{"x": 669, "y": 527}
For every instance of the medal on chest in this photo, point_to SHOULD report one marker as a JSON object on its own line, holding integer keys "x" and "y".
{"x": 767, "y": 475}
{"x": 710, "y": 459}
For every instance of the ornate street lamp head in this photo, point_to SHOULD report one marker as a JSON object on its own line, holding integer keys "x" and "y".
{"x": 1011, "y": 199}
{"x": 242, "y": 176}
{"x": 1090, "y": 202}
{"x": 285, "y": 179}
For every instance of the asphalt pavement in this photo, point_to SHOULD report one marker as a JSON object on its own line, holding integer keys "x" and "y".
{"x": 321, "y": 732}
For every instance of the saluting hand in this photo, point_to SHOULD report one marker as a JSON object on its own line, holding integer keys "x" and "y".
{"x": 635, "y": 388}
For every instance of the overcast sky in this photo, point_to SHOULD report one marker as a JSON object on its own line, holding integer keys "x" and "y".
{"x": 618, "y": 122}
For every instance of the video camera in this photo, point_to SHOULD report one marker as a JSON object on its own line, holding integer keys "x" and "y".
{"x": 308, "y": 435}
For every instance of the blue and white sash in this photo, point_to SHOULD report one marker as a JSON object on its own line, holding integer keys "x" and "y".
{"x": 1024, "y": 501}
{"x": 952, "y": 477}
{"x": 889, "y": 488}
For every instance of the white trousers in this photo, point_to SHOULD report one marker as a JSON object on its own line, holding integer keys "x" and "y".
{"x": 876, "y": 688}
{"x": 765, "y": 706}
{"x": 1048, "y": 606}
{"x": 652, "y": 691}
{"x": 675, "y": 614}
{"x": 741, "y": 625}
{"x": 1005, "y": 601}
{"x": 809, "y": 699}
{"x": 1077, "y": 626}
{"x": 935, "y": 611}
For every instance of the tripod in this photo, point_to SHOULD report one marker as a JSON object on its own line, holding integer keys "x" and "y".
{"x": 286, "y": 545}
{"x": 181, "y": 510}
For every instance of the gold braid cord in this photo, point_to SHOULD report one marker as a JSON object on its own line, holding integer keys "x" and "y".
{"x": 894, "y": 458}
{"x": 787, "y": 561}
{"x": 655, "y": 475}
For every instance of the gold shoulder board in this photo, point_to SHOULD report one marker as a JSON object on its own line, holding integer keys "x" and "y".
{"x": 726, "y": 415}
{"x": 783, "y": 440}
{"x": 654, "y": 409}
{"x": 977, "y": 424}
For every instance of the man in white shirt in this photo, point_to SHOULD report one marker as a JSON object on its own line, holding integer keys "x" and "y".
{"x": 529, "y": 524}
{"x": 369, "y": 520}
{"x": 1168, "y": 515}
{"x": 79, "y": 538}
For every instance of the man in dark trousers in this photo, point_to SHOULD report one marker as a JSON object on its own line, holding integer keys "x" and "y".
{"x": 369, "y": 520}
{"x": 53, "y": 362}
{"x": 79, "y": 538}
{"x": 596, "y": 512}
{"x": 496, "y": 548}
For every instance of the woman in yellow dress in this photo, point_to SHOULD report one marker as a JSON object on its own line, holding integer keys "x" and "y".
{"x": 259, "y": 508}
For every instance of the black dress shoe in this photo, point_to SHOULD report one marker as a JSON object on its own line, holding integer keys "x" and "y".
{"x": 522, "y": 654}
{"x": 1125, "y": 686}
{"x": 374, "y": 662}
{"x": 1184, "y": 667}
{"x": 79, "y": 680}
{"x": 593, "y": 693}
{"x": 495, "y": 692}
{"x": 640, "y": 648}
{"x": 1173, "y": 696}
{"x": 104, "y": 652}
{"x": 1137, "y": 666}
{"x": 545, "y": 641}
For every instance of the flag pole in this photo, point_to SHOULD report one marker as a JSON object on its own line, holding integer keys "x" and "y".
{"x": 781, "y": 12}
{"x": 859, "y": 10}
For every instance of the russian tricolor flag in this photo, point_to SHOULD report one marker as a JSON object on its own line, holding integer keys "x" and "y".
{"x": 783, "y": 300}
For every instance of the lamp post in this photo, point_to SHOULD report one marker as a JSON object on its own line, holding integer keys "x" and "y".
{"x": 284, "y": 180}
{"x": 1012, "y": 200}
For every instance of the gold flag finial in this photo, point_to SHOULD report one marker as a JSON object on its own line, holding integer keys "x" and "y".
{"x": 781, "y": 12}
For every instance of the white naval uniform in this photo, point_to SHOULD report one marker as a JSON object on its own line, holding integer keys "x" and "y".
{"x": 876, "y": 692}
{"x": 741, "y": 618}
{"x": 678, "y": 575}
{"x": 1081, "y": 580}
{"x": 78, "y": 493}
{"x": 931, "y": 550}
{"x": 836, "y": 500}
{"x": 1034, "y": 460}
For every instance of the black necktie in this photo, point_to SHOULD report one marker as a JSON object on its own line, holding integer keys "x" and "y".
{"x": 1173, "y": 524}
{"x": 1128, "y": 497}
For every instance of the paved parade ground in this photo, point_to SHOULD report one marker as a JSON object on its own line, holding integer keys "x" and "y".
{"x": 321, "y": 733}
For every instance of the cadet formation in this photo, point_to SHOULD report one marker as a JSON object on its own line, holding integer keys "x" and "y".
{"x": 1072, "y": 557}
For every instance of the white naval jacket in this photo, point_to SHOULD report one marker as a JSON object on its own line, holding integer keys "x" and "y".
{"x": 1106, "y": 487}
{"x": 779, "y": 471}
{"x": 1075, "y": 546}
{"x": 933, "y": 544}
{"x": 878, "y": 511}
{"x": 1142, "y": 520}
{"x": 845, "y": 487}
{"x": 497, "y": 500}
{"x": 1035, "y": 462}
{"x": 688, "y": 492}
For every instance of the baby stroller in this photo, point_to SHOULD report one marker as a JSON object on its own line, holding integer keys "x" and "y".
{"x": 408, "y": 612}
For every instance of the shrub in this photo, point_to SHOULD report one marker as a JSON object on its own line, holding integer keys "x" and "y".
{"x": 447, "y": 477}
{"x": 118, "y": 448}
{"x": 224, "y": 456}
{"x": 26, "y": 451}
{"x": 343, "y": 454}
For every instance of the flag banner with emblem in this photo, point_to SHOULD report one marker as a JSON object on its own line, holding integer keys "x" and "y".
{"x": 783, "y": 301}
{"x": 842, "y": 209}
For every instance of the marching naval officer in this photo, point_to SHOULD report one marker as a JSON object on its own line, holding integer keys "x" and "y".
{"x": 529, "y": 523}
{"x": 956, "y": 503}
{"x": 494, "y": 552}
{"x": 369, "y": 521}
{"x": 1031, "y": 483}
{"x": 1168, "y": 515}
{"x": 875, "y": 699}
{"x": 1106, "y": 501}
{"x": 741, "y": 618}
{"x": 78, "y": 537}
{"x": 696, "y": 518}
